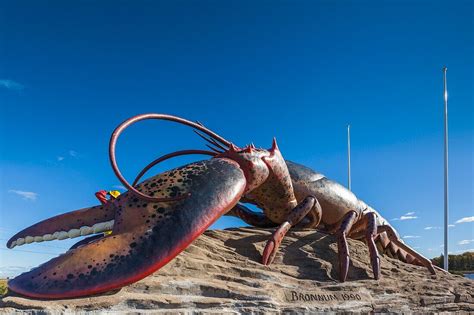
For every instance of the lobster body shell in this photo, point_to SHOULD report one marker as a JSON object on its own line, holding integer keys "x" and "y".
{"x": 335, "y": 199}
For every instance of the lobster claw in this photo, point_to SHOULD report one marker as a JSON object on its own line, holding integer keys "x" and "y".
{"x": 145, "y": 236}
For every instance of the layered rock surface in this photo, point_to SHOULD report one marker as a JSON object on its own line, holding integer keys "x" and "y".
{"x": 221, "y": 272}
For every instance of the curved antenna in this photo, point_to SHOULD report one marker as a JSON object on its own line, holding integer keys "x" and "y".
{"x": 211, "y": 141}
{"x": 132, "y": 120}
{"x": 169, "y": 156}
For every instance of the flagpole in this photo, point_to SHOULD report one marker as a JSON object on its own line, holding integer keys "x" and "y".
{"x": 349, "y": 156}
{"x": 446, "y": 208}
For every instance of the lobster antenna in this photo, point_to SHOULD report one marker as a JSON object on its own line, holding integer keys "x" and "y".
{"x": 169, "y": 156}
{"x": 132, "y": 120}
{"x": 210, "y": 140}
{"x": 213, "y": 149}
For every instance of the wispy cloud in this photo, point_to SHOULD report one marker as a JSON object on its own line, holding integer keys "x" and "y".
{"x": 4, "y": 230}
{"x": 438, "y": 227}
{"x": 432, "y": 228}
{"x": 68, "y": 154}
{"x": 12, "y": 271}
{"x": 119, "y": 187}
{"x": 461, "y": 251}
{"x": 406, "y": 216}
{"x": 73, "y": 153}
{"x": 465, "y": 242}
{"x": 465, "y": 220}
{"x": 27, "y": 195}
{"x": 411, "y": 236}
{"x": 11, "y": 85}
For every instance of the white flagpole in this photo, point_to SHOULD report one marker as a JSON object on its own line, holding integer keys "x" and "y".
{"x": 349, "y": 156}
{"x": 446, "y": 208}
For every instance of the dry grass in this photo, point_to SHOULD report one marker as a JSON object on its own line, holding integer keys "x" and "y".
{"x": 3, "y": 287}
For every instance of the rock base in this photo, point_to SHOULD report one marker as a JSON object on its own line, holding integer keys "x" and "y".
{"x": 221, "y": 273}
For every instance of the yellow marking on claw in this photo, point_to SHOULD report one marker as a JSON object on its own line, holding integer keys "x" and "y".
{"x": 114, "y": 193}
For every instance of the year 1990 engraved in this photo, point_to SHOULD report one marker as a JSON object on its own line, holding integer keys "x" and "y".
{"x": 351, "y": 296}
{"x": 294, "y": 296}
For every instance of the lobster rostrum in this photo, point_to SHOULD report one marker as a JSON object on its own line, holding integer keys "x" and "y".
{"x": 158, "y": 218}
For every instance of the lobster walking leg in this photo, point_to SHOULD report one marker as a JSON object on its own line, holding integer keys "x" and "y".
{"x": 251, "y": 217}
{"x": 369, "y": 237}
{"x": 343, "y": 249}
{"x": 393, "y": 237}
{"x": 367, "y": 229}
{"x": 295, "y": 216}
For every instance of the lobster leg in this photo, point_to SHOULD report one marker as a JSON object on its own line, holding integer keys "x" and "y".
{"x": 295, "y": 216}
{"x": 371, "y": 232}
{"x": 367, "y": 229}
{"x": 343, "y": 249}
{"x": 394, "y": 238}
{"x": 251, "y": 217}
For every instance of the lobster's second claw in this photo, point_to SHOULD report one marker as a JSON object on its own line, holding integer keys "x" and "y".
{"x": 144, "y": 238}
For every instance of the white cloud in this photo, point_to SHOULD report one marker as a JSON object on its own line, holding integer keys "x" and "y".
{"x": 432, "y": 228}
{"x": 411, "y": 236}
{"x": 119, "y": 187}
{"x": 12, "y": 271}
{"x": 68, "y": 154}
{"x": 465, "y": 220}
{"x": 4, "y": 230}
{"x": 465, "y": 242}
{"x": 11, "y": 85}
{"x": 461, "y": 251}
{"x": 406, "y": 216}
{"x": 438, "y": 227}
{"x": 27, "y": 195}
{"x": 73, "y": 153}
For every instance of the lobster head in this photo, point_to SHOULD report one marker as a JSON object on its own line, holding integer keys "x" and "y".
{"x": 253, "y": 162}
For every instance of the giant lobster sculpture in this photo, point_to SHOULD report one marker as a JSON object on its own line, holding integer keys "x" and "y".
{"x": 158, "y": 218}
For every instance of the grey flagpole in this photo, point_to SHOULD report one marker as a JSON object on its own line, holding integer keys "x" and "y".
{"x": 446, "y": 208}
{"x": 349, "y": 156}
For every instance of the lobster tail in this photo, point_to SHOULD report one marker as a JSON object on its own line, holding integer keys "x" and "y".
{"x": 394, "y": 247}
{"x": 387, "y": 247}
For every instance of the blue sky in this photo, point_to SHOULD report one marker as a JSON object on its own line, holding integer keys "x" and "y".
{"x": 299, "y": 71}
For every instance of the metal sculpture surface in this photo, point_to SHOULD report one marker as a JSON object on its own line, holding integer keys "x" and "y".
{"x": 158, "y": 218}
